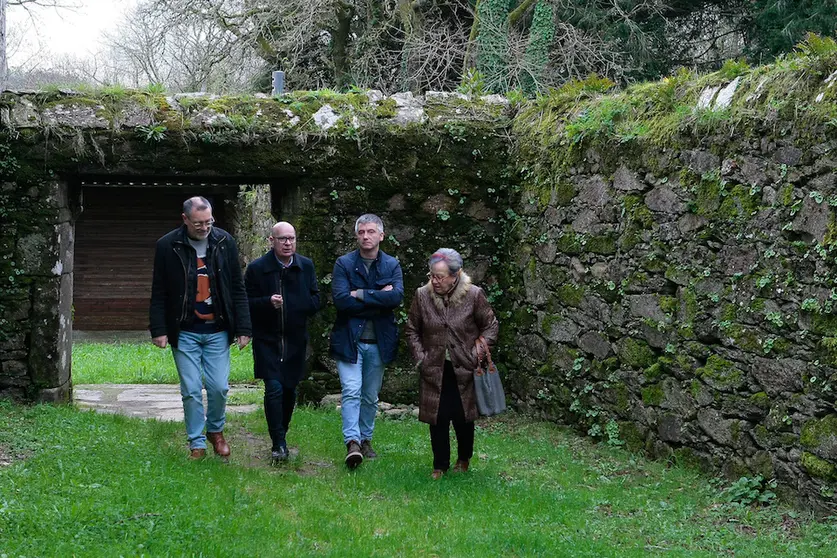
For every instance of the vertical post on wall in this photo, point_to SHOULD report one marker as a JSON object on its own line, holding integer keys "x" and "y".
{"x": 278, "y": 82}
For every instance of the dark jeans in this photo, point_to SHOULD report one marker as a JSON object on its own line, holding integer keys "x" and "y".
{"x": 450, "y": 410}
{"x": 279, "y": 402}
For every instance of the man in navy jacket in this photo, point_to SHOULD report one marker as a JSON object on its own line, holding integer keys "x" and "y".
{"x": 367, "y": 285}
{"x": 282, "y": 291}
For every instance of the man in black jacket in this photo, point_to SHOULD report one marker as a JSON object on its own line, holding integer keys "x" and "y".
{"x": 198, "y": 304}
{"x": 283, "y": 292}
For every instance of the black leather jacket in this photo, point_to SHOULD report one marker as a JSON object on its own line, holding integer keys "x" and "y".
{"x": 174, "y": 285}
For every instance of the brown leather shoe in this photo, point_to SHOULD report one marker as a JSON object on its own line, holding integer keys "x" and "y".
{"x": 197, "y": 453}
{"x": 219, "y": 444}
{"x": 436, "y": 474}
{"x": 461, "y": 466}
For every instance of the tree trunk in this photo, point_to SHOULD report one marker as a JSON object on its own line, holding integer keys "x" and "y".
{"x": 3, "y": 62}
{"x": 339, "y": 46}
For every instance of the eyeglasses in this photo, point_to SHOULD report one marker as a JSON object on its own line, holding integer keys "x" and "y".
{"x": 203, "y": 224}
{"x": 432, "y": 276}
{"x": 285, "y": 239}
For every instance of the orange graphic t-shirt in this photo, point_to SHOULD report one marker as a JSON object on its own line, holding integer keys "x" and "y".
{"x": 203, "y": 301}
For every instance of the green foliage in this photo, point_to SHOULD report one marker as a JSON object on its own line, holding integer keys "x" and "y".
{"x": 600, "y": 119}
{"x": 541, "y": 36}
{"x": 473, "y": 83}
{"x": 156, "y": 88}
{"x": 747, "y": 491}
{"x": 777, "y": 25}
{"x": 153, "y": 133}
{"x": 492, "y": 43}
{"x": 816, "y": 46}
{"x": 734, "y": 68}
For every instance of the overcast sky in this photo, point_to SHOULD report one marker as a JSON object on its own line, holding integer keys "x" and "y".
{"x": 63, "y": 31}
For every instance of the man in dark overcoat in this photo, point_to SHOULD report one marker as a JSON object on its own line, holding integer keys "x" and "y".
{"x": 283, "y": 293}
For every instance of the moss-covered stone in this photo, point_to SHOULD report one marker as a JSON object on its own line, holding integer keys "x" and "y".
{"x": 569, "y": 294}
{"x": 653, "y": 394}
{"x": 720, "y": 373}
{"x": 633, "y": 437}
{"x": 635, "y": 353}
{"x": 816, "y": 467}
{"x": 760, "y": 400}
{"x": 815, "y": 432}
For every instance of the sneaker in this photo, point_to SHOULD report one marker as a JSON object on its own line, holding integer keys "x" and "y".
{"x": 366, "y": 449}
{"x": 436, "y": 474}
{"x": 354, "y": 457}
{"x": 279, "y": 455}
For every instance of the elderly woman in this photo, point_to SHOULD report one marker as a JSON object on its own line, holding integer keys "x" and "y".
{"x": 447, "y": 316}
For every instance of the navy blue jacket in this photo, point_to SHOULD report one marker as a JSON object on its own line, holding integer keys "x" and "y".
{"x": 280, "y": 336}
{"x": 377, "y": 305}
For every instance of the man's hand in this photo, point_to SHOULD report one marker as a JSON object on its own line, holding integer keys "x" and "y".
{"x": 276, "y": 301}
{"x": 353, "y": 293}
{"x": 243, "y": 340}
{"x": 387, "y": 288}
{"x": 161, "y": 341}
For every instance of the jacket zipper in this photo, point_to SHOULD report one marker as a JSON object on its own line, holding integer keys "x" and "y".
{"x": 282, "y": 316}
{"x": 185, "y": 285}
{"x": 216, "y": 253}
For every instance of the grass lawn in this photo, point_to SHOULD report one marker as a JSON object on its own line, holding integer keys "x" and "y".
{"x": 142, "y": 363}
{"x": 83, "y": 484}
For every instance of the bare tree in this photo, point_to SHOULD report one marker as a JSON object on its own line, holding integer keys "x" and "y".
{"x": 25, "y": 4}
{"x": 184, "y": 53}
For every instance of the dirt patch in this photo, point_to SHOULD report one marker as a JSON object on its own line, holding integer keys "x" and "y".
{"x": 252, "y": 450}
{"x": 7, "y": 456}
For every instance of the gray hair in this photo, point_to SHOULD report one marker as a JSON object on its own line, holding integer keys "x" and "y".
{"x": 197, "y": 203}
{"x": 449, "y": 256}
{"x": 369, "y": 218}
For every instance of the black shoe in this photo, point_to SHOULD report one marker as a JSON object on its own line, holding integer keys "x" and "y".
{"x": 354, "y": 457}
{"x": 366, "y": 449}
{"x": 279, "y": 455}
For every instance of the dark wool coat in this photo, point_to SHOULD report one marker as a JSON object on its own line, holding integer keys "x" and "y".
{"x": 280, "y": 336}
{"x": 454, "y": 322}
{"x": 175, "y": 282}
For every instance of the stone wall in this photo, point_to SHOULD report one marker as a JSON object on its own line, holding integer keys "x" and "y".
{"x": 37, "y": 287}
{"x": 677, "y": 278}
{"x": 661, "y": 259}
{"x": 434, "y": 168}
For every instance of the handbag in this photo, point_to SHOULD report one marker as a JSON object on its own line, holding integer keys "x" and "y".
{"x": 491, "y": 399}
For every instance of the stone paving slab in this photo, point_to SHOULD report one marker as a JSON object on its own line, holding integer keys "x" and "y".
{"x": 157, "y": 401}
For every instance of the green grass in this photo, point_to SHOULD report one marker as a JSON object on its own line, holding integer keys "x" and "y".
{"x": 86, "y": 484}
{"x": 142, "y": 363}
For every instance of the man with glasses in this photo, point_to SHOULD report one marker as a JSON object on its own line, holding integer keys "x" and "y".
{"x": 198, "y": 305}
{"x": 367, "y": 285}
{"x": 283, "y": 292}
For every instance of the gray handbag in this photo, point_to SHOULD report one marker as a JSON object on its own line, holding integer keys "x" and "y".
{"x": 491, "y": 399}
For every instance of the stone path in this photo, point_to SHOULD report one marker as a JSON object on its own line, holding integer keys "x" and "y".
{"x": 158, "y": 401}
{"x": 163, "y": 402}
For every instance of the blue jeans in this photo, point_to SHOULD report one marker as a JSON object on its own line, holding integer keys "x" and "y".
{"x": 361, "y": 382}
{"x": 203, "y": 359}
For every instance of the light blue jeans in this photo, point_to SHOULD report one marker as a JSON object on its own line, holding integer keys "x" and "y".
{"x": 203, "y": 359}
{"x": 361, "y": 382}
